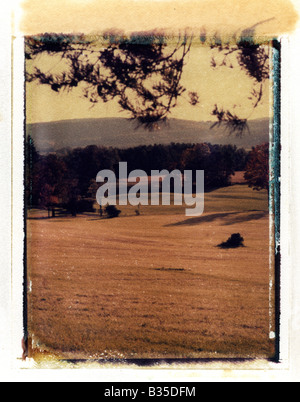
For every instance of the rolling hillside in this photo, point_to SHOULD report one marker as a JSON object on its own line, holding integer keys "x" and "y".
{"x": 122, "y": 133}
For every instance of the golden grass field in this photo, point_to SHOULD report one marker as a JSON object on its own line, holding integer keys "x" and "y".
{"x": 154, "y": 285}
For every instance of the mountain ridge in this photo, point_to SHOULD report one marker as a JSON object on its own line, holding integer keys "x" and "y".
{"x": 123, "y": 133}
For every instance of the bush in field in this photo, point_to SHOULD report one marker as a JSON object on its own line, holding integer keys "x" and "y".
{"x": 234, "y": 241}
{"x": 112, "y": 211}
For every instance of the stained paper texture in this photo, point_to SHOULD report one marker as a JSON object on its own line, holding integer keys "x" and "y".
{"x": 134, "y": 90}
{"x": 224, "y": 17}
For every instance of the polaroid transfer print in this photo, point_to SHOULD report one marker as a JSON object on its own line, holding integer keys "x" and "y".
{"x": 152, "y": 196}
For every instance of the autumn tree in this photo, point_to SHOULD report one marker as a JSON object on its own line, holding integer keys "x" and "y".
{"x": 52, "y": 183}
{"x": 257, "y": 169}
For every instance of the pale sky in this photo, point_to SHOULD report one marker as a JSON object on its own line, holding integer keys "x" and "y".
{"x": 226, "y": 87}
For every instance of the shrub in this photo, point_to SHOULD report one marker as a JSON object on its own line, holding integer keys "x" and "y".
{"x": 112, "y": 211}
{"x": 234, "y": 241}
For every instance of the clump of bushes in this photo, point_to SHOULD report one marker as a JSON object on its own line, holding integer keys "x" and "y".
{"x": 234, "y": 241}
{"x": 112, "y": 211}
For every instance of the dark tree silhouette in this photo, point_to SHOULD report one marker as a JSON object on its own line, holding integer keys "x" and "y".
{"x": 219, "y": 162}
{"x": 31, "y": 159}
{"x": 253, "y": 58}
{"x": 141, "y": 72}
{"x": 49, "y": 183}
{"x": 257, "y": 169}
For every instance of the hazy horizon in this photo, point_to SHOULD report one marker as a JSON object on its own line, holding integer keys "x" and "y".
{"x": 128, "y": 119}
{"x": 123, "y": 133}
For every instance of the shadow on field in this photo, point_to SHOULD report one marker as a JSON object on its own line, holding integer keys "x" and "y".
{"x": 38, "y": 218}
{"x": 230, "y": 218}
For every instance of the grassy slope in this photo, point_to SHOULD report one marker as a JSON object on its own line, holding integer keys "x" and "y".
{"x": 155, "y": 285}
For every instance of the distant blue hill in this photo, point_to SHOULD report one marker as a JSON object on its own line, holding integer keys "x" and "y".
{"x": 123, "y": 133}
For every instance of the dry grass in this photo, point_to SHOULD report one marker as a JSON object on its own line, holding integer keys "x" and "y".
{"x": 152, "y": 286}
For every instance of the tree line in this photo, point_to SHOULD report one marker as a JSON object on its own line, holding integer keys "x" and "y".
{"x": 70, "y": 179}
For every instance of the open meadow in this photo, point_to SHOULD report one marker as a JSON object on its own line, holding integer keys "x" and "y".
{"x": 153, "y": 285}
